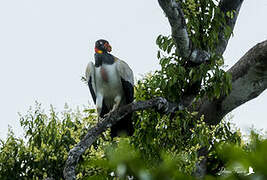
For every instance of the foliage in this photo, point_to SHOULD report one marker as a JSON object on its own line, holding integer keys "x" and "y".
{"x": 49, "y": 137}
{"x": 44, "y": 149}
{"x": 181, "y": 138}
{"x": 246, "y": 160}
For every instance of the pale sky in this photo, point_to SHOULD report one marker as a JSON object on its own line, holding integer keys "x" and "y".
{"x": 45, "y": 46}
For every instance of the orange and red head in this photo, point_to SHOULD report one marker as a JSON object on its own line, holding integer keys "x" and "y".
{"x": 102, "y": 46}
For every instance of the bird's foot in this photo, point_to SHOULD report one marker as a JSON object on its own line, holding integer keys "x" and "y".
{"x": 108, "y": 114}
{"x": 99, "y": 119}
{"x": 115, "y": 107}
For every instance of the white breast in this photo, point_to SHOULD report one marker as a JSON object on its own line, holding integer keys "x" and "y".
{"x": 112, "y": 87}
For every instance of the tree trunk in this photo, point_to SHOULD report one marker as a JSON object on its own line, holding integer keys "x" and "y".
{"x": 249, "y": 79}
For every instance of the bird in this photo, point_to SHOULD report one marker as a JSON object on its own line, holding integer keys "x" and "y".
{"x": 111, "y": 84}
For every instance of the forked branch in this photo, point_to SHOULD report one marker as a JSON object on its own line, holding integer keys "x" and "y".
{"x": 180, "y": 36}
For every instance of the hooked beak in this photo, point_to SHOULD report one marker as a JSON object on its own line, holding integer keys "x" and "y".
{"x": 107, "y": 47}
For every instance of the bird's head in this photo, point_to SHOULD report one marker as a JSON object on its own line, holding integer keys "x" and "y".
{"x": 102, "y": 46}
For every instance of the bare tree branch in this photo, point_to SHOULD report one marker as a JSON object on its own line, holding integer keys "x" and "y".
{"x": 180, "y": 36}
{"x": 249, "y": 79}
{"x": 201, "y": 167}
{"x": 227, "y": 6}
{"x": 160, "y": 104}
{"x": 176, "y": 18}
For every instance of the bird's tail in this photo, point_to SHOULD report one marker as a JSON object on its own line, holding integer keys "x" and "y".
{"x": 123, "y": 127}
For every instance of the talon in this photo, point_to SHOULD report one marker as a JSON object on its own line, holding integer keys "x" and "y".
{"x": 98, "y": 119}
{"x": 106, "y": 115}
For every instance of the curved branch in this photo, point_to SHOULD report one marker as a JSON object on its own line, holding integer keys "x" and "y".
{"x": 176, "y": 18}
{"x": 249, "y": 79}
{"x": 160, "y": 104}
{"x": 227, "y": 6}
{"x": 180, "y": 36}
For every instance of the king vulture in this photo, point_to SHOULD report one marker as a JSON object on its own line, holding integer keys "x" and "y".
{"x": 111, "y": 84}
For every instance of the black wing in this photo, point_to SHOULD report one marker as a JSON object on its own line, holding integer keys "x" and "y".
{"x": 90, "y": 77}
{"x": 91, "y": 89}
{"x": 128, "y": 91}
